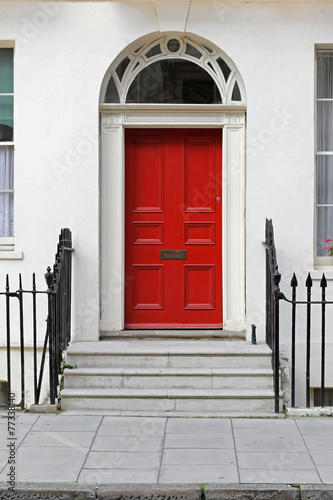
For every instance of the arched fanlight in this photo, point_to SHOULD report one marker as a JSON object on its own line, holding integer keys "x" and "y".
{"x": 173, "y": 69}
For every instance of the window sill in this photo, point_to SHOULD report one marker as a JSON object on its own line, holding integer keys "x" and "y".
{"x": 11, "y": 255}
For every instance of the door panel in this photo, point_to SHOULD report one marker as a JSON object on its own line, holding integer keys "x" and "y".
{"x": 148, "y": 186}
{"x": 173, "y": 202}
{"x": 199, "y": 172}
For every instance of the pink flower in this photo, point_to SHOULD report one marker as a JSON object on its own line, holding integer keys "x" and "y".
{"x": 327, "y": 241}
{"x": 329, "y": 247}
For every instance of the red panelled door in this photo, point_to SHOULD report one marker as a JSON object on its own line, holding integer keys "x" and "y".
{"x": 173, "y": 236}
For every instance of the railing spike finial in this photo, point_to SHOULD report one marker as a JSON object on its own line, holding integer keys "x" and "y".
{"x": 308, "y": 282}
{"x": 323, "y": 281}
{"x": 48, "y": 278}
{"x": 294, "y": 282}
{"x": 276, "y": 277}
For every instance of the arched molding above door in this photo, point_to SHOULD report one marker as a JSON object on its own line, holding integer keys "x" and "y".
{"x": 141, "y": 73}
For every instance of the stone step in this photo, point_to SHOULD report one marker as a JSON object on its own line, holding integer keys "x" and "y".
{"x": 168, "y": 354}
{"x": 155, "y": 378}
{"x": 174, "y": 334}
{"x": 168, "y": 400}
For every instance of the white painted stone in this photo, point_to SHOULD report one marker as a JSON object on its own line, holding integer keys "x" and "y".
{"x": 72, "y": 58}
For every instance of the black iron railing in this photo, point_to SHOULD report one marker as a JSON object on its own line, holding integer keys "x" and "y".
{"x": 58, "y": 326}
{"x": 273, "y": 297}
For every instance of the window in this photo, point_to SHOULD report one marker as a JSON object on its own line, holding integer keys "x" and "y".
{"x": 328, "y": 396}
{"x": 324, "y": 151}
{"x": 173, "y": 81}
{"x": 6, "y": 149}
{"x": 172, "y": 70}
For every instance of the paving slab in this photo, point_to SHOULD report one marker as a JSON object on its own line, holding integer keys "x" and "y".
{"x": 297, "y": 460}
{"x": 257, "y": 431}
{"x": 123, "y": 443}
{"x": 51, "y": 439}
{"x": 121, "y": 460}
{"x": 199, "y": 473}
{"x": 55, "y": 473}
{"x": 26, "y": 418}
{"x": 130, "y": 430}
{"x": 316, "y": 427}
{"x": 201, "y": 456}
{"x": 284, "y": 476}
{"x": 250, "y": 492}
{"x": 18, "y": 429}
{"x": 58, "y": 455}
{"x": 198, "y": 425}
{"x": 326, "y": 473}
{"x": 322, "y": 457}
{"x": 67, "y": 423}
{"x": 198, "y": 441}
{"x": 324, "y": 442}
{"x": 263, "y": 423}
{"x": 4, "y": 440}
{"x": 105, "y": 476}
{"x": 140, "y": 421}
{"x": 270, "y": 444}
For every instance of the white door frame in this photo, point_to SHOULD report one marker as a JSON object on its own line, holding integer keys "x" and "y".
{"x": 114, "y": 119}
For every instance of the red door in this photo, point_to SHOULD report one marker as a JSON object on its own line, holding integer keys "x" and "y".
{"x": 173, "y": 235}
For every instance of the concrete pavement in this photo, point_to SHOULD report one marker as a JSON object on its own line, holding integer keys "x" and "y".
{"x": 97, "y": 449}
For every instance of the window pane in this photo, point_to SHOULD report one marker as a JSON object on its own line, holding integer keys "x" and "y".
{"x": 111, "y": 94}
{"x": 6, "y": 167}
{"x": 6, "y": 115}
{"x": 325, "y": 180}
{"x": 173, "y": 81}
{"x": 192, "y": 51}
{"x": 121, "y": 68}
{"x": 325, "y": 74}
{"x": 325, "y": 126}
{"x": 224, "y": 68}
{"x": 154, "y": 51}
{"x": 236, "y": 95}
{"x": 6, "y": 214}
{"x": 6, "y": 199}
{"x": 6, "y": 71}
{"x": 173, "y": 45}
{"x": 324, "y": 229}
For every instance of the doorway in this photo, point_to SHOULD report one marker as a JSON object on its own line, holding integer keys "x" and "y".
{"x": 173, "y": 228}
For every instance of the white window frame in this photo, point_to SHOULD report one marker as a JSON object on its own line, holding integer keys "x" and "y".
{"x": 7, "y": 243}
{"x": 320, "y": 262}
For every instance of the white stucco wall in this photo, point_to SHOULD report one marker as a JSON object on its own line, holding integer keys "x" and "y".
{"x": 62, "y": 51}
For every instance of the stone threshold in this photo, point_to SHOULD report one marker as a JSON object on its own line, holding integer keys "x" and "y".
{"x": 173, "y": 334}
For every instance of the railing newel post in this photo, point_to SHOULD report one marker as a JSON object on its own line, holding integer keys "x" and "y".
{"x": 308, "y": 285}
{"x": 294, "y": 285}
{"x": 20, "y": 298}
{"x": 9, "y": 378}
{"x": 276, "y": 360}
{"x": 323, "y": 284}
{"x": 34, "y": 326}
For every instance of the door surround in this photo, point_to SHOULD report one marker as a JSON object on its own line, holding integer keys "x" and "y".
{"x": 114, "y": 119}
